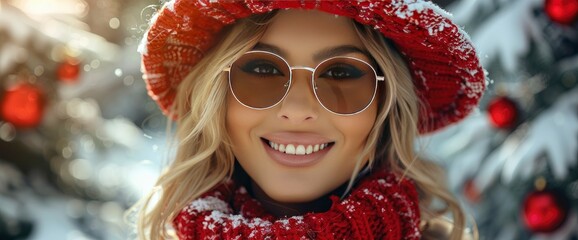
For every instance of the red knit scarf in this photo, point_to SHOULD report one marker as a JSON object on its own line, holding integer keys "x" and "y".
{"x": 381, "y": 206}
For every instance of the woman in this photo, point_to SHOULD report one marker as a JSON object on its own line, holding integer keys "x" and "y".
{"x": 296, "y": 119}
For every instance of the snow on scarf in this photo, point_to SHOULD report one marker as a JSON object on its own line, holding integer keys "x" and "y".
{"x": 381, "y": 206}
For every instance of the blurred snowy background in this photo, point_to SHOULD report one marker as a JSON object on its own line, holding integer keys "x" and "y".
{"x": 80, "y": 141}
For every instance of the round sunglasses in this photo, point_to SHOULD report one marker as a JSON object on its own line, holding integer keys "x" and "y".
{"x": 343, "y": 85}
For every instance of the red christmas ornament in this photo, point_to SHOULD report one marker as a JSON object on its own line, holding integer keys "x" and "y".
{"x": 23, "y": 106}
{"x": 69, "y": 70}
{"x": 503, "y": 112}
{"x": 562, "y": 11}
{"x": 471, "y": 191}
{"x": 544, "y": 211}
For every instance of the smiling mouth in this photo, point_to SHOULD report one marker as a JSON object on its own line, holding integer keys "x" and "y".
{"x": 297, "y": 149}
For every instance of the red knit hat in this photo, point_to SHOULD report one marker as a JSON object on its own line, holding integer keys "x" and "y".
{"x": 443, "y": 63}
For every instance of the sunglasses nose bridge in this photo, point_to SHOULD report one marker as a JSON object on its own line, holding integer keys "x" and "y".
{"x": 310, "y": 69}
{"x": 303, "y": 68}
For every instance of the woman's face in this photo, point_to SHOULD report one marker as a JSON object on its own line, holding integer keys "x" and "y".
{"x": 300, "y": 37}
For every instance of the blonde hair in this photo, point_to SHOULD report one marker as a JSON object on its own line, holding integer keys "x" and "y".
{"x": 204, "y": 157}
{"x": 396, "y": 129}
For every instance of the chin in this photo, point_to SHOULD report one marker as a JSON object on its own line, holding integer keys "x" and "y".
{"x": 293, "y": 195}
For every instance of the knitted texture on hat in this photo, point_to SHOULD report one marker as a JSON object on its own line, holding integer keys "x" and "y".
{"x": 446, "y": 72}
{"x": 381, "y": 206}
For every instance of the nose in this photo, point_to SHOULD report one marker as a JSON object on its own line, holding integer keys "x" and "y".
{"x": 300, "y": 104}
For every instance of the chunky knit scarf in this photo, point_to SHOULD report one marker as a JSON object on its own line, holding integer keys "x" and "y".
{"x": 381, "y": 206}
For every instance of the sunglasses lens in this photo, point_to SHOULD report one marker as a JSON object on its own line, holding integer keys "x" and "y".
{"x": 259, "y": 80}
{"x": 345, "y": 85}
{"x": 342, "y": 85}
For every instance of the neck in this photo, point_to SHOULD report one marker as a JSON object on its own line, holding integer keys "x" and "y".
{"x": 284, "y": 209}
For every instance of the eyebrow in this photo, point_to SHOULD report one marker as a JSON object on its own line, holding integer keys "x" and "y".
{"x": 270, "y": 48}
{"x": 319, "y": 56}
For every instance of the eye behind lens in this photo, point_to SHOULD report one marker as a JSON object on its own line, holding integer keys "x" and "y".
{"x": 343, "y": 68}
{"x": 262, "y": 68}
{"x": 342, "y": 71}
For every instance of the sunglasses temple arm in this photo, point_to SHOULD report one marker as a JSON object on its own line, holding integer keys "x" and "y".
{"x": 380, "y": 78}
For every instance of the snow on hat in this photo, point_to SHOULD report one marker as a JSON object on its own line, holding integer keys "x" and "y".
{"x": 442, "y": 60}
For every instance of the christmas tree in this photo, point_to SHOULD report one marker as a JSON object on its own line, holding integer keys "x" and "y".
{"x": 513, "y": 163}
{"x": 79, "y": 138}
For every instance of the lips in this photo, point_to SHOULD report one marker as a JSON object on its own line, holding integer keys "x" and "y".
{"x": 297, "y": 149}
{"x": 297, "y": 152}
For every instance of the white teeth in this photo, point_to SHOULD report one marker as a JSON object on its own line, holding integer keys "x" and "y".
{"x": 297, "y": 149}
{"x": 309, "y": 150}
{"x": 300, "y": 150}
{"x": 290, "y": 149}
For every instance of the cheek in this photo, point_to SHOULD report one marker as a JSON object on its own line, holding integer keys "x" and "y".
{"x": 356, "y": 129}
{"x": 238, "y": 120}
{"x": 242, "y": 123}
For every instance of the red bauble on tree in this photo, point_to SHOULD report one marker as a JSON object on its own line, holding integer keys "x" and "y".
{"x": 562, "y": 11}
{"x": 471, "y": 191}
{"x": 544, "y": 211}
{"x": 23, "y": 105}
{"x": 69, "y": 71}
{"x": 503, "y": 112}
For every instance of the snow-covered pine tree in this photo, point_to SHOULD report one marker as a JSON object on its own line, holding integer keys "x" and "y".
{"x": 513, "y": 163}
